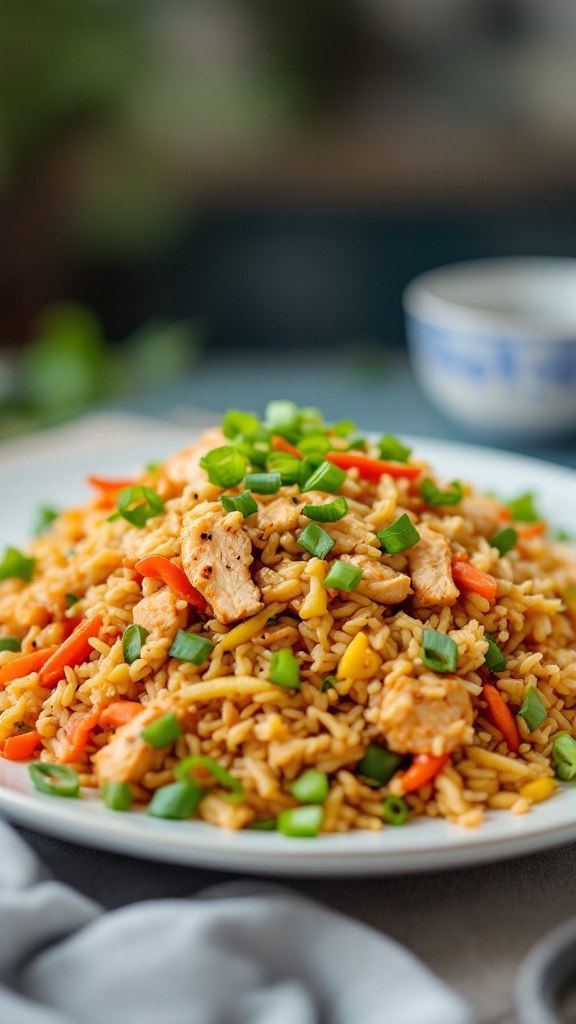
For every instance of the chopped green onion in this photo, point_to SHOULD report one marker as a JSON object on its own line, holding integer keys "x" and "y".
{"x": 343, "y": 576}
{"x": 315, "y": 540}
{"x": 285, "y": 669}
{"x": 10, "y": 643}
{"x": 432, "y": 495}
{"x": 262, "y": 825}
{"x": 301, "y": 822}
{"x": 523, "y": 510}
{"x": 137, "y": 505}
{"x": 312, "y": 787}
{"x": 256, "y": 449}
{"x": 395, "y": 810}
{"x": 378, "y": 765}
{"x": 504, "y": 540}
{"x": 71, "y": 600}
{"x": 162, "y": 732}
{"x": 116, "y": 795}
{"x": 344, "y": 428}
{"x": 399, "y": 536}
{"x": 283, "y": 415}
{"x": 132, "y": 640}
{"x": 225, "y": 466}
{"x": 177, "y": 800}
{"x": 494, "y": 658}
{"x": 54, "y": 779}
{"x": 22, "y": 727}
{"x": 438, "y": 651}
{"x": 153, "y": 467}
{"x": 331, "y": 512}
{"x": 243, "y": 503}
{"x": 533, "y": 711}
{"x": 310, "y": 417}
{"x": 327, "y": 477}
{"x": 44, "y": 518}
{"x": 564, "y": 754}
{"x": 328, "y": 684}
{"x": 191, "y": 647}
{"x": 235, "y": 790}
{"x": 357, "y": 443}
{"x": 391, "y": 448}
{"x": 314, "y": 442}
{"x": 15, "y": 565}
{"x": 288, "y": 466}
{"x": 237, "y": 423}
{"x": 305, "y": 469}
{"x": 562, "y": 535}
{"x": 263, "y": 483}
{"x": 272, "y": 620}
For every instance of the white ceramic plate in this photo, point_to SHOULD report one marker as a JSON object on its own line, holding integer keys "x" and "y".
{"x": 423, "y": 845}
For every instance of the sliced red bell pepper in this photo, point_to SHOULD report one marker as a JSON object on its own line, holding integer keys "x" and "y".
{"x": 424, "y": 767}
{"x": 158, "y": 567}
{"x": 73, "y": 651}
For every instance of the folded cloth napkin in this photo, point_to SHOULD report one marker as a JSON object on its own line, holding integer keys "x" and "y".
{"x": 245, "y": 956}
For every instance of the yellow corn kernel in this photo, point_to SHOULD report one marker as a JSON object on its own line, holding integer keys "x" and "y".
{"x": 316, "y": 601}
{"x": 538, "y": 790}
{"x": 244, "y": 632}
{"x": 359, "y": 661}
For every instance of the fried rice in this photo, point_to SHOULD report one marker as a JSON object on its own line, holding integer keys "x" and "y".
{"x": 362, "y": 676}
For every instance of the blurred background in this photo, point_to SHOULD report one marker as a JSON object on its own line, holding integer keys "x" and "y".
{"x": 207, "y": 203}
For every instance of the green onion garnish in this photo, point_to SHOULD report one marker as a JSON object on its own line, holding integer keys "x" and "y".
{"x": 116, "y": 795}
{"x": 504, "y": 540}
{"x": 177, "y": 800}
{"x": 285, "y": 669}
{"x": 191, "y": 647}
{"x": 494, "y": 658}
{"x": 564, "y": 754}
{"x": 311, "y": 787}
{"x": 315, "y": 540}
{"x": 288, "y": 466}
{"x": 438, "y": 651}
{"x": 432, "y": 495}
{"x": 533, "y": 711}
{"x": 225, "y": 466}
{"x": 328, "y": 684}
{"x": 301, "y": 822}
{"x": 71, "y": 600}
{"x": 243, "y": 503}
{"x": 132, "y": 640}
{"x": 153, "y": 467}
{"x": 378, "y": 765}
{"x": 344, "y": 428}
{"x": 15, "y": 565}
{"x": 137, "y": 505}
{"x": 343, "y": 576}
{"x": 399, "y": 536}
{"x": 314, "y": 442}
{"x": 331, "y": 512}
{"x": 395, "y": 810}
{"x": 357, "y": 443}
{"x": 256, "y": 449}
{"x": 523, "y": 510}
{"x": 237, "y": 423}
{"x": 305, "y": 469}
{"x": 282, "y": 415}
{"x": 162, "y": 732}
{"x": 263, "y": 483}
{"x": 327, "y": 477}
{"x": 10, "y": 643}
{"x": 54, "y": 779}
{"x": 44, "y": 517}
{"x": 562, "y": 535}
{"x": 262, "y": 825}
{"x": 185, "y": 773}
{"x": 391, "y": 448}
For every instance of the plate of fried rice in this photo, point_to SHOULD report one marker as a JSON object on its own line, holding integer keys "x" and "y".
{"x": 290, "y": 647}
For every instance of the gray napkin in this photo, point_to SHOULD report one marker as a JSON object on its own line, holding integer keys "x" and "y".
{"x": 243, "y": 956}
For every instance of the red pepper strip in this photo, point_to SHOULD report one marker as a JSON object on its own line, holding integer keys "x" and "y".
{"x": 501, "y": 717}
{"x": 102, "y": 483}
{"x": 73, "y": 651}
{"x": 423, "y": 768}
{"x": 372, "y": 469}
{"x": 280, "y": 445}
{"x": 24, "y": 664}
{"x": 120, "y": 712}
{"x": 158, "y": 567}
{"x": 22, "y": 746}
{"x": 471, "y": 578}
{"x": 78, "y": 730}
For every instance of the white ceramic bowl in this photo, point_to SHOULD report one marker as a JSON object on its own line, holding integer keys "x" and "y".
{"x": 493, "y": 344}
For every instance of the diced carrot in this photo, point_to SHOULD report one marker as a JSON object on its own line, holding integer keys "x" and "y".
{"x": 471, "y": 578}
{"x": 24, "y": 664}
{"x": 158, "y": 567}
{"x": 528, "y": 530}
{"x": 73, "y": 651}
{"x": 372, "y": 469}
{"x": 280, "y": 445}
{"x": 78, "y": 730}
{"x": 501, "y": 716}
{"x": 423, "y": 768}
{"x": 22, "y": 746}
{"x": 120, "y": 712}
{"x": 102, "y": 483}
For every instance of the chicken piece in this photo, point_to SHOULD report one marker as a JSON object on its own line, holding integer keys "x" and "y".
{"x": 216, "y": 557}
{"x": 278, "y": 516}
{"x": 158, "y": 614}
{"x": 426, "y": 715}
{"x": 380, "y": 582}
{"x": 430, "y": 568}
{"x": 484, "y": 513}
{"x": 183, "y": 469}
{"x": 128, "y": 757}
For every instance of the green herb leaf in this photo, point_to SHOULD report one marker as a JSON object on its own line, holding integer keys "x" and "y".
{"x": 16, "y": 565}
{"x": 523, "y": 510}
{"x": 132, "y": 640}
{"x": 44, "y": 517}
{"x": 137, "y": 505}
{"x": 504, "y": 540}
